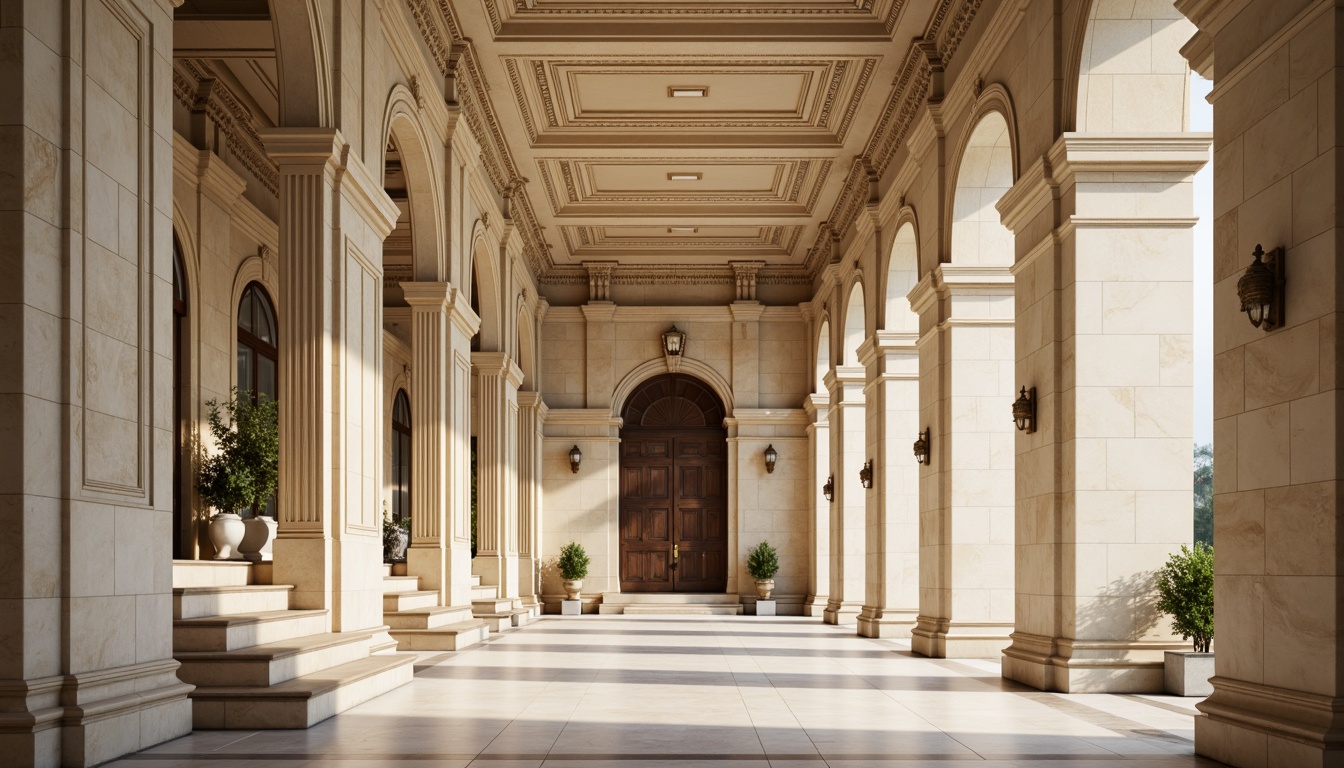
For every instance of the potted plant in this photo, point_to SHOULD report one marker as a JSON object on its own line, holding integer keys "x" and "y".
{"x": 243, "y": 473}
{"x": 396, "y": 537}
{"x": 573, "y": 567}
{"x": 1185, "y": 590}
{"x": 763, "y": 564}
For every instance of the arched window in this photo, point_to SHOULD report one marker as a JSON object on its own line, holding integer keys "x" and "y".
{"x": 401, "y": 456}
{"x": 257, "y": 342}
{"x": 181, "y": 519}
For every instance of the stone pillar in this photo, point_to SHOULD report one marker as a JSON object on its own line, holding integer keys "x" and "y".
{"x": 1277, "y": 425}
{"x": 849, "y": 506}
{"x": 966, "y": 510}
{"x": 441, "y": 326}
{"x": 891, "y": 596}
{"x": 496, "y": 560}
{"x": 819, "y": 520}
{"x": 333, "y": 218}
{"x": 86, "y": 467}
{"x": 1104, "y": 483}
{"x": 531, "y": 416}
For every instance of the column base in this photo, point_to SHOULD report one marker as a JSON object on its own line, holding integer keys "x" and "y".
{"x": 1066, "y": 665}
{"x": 497, "y": 570}
{"x": 881, "y": 622}
{"x": 814, "y": 605}
{"x": 430, "y": 564}
{"x": 1244, "y": 724}
{"x": 947, "y": 639}
{"x": 113, "y": 712}
{"x": 841, "y": 612}
{"x": 306, "y": 563}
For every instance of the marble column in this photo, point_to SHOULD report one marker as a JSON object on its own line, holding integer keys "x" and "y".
{"x": 531, "y": 417}
{"x": 86, "y": 462}
{"x": 333, "y": 218}
{"x": 441, "y": 327}
{"x": 966, "y": 499}
{"x": 849, "y": 506}
{"x": 1104, "y": 483}
{"x": 496, "y": 562}
{"x": 819, "y": 519}
{"x": 891, "y": 595}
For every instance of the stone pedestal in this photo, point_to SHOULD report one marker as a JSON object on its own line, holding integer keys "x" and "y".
{"x": 765, "y": 607}
{"x": 1188, "y": 674}
{"x": 571, "y": 607}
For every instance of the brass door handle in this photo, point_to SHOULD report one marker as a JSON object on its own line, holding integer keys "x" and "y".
{"x": 674, "y": 551}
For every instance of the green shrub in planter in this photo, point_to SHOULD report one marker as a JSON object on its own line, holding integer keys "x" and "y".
{"x": 1185, "y": 590}
{"x": 573, "y": 563}
{"x": 763, "y": 562}
{"x": 390, "y": 539}
{"x": 246, "y": 469}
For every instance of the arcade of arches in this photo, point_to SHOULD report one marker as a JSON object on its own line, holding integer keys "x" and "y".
{"x": 449, "y": 235}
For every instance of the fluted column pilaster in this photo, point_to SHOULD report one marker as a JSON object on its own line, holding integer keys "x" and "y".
{"x": 497, "y": 381}
{"x": 531, "y": 416}
{"x": 848, "y": 509}
{"x": 819, "y": 511}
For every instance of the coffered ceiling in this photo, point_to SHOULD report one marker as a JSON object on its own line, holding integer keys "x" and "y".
{"x": 666, "y": 136}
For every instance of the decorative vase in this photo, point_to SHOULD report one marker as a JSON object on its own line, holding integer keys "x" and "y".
{"x": 226, "y": 533}
{"x": 260, "y": 534}
{"x": 764, "y": 587}
{"x": 572, "y": 587}
{"x": 398, "y": 550}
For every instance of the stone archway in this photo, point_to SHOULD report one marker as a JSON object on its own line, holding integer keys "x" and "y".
{"x": 674, "y": 488}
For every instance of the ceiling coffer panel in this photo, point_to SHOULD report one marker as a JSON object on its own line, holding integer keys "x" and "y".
{"x": 530, "y": 18}
{"x": 601, "y": 100}
{"x": 654, "y": 186}
{"x": 704, "y": 244}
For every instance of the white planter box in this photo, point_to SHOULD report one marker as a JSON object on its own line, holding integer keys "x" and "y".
{"x": 571, "y": 607}
{"x": 1187, "y": 674}
{"x": 765, "y": 607}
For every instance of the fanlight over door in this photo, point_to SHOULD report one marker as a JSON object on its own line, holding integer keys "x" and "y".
{"x": 674, "y": 489}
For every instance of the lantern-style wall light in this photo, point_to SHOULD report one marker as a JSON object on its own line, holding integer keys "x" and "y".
{"x": 866, "y": 474}
{"x": 828, "y": 490}
{"x": 674, "y": 341}
{"x": 771, "y": 456}
{"x": 1261, "y": 289}
{"x": 1024, "y": 410}
{"x": 575, "y": 458}
{"x": 922, "y": 446}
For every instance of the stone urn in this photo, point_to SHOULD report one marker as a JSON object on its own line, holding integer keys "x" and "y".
{"x": 572, "y": 588}
{"x": 764, "y": 587}
{"x": 226, "y": 533}
{"x": 257, "y": 539}
{"x": 397, "y": 552}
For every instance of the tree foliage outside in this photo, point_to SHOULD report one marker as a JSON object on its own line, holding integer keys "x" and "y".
{"x": 1204, "y": 494}
{"x": 1185, "y": 590}
{"x": 245, "y": 470}
{"x": 573, "y": 563}
{"x": 763, "y": 562}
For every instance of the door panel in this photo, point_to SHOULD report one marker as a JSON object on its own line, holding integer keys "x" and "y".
{"x": 663, "y": 472}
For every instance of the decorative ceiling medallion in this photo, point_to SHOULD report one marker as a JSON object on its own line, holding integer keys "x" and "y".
{"x": 687, "y": 91}
{"x": 684, "y": 176}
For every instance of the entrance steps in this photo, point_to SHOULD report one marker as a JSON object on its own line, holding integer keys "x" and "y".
{"x": 418, "y": 623}
{"x": 501, "y": 614}
{"x": 257, "y": 665}
{"x": 669, "y": 603}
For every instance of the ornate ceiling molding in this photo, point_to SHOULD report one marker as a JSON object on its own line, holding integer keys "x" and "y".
{"x": 197, "y": 88}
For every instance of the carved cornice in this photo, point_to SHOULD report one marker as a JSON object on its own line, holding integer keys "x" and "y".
{"x": 234, "y": 120}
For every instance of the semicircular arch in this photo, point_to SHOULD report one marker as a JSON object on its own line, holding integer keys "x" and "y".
{"x": 689, "y": 365}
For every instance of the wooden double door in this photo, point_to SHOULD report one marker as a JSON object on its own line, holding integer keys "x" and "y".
{"x": 674, "y": 510}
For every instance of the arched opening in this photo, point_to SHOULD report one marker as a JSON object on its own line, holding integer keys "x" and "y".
{"x": 401, "y": 456}
{"x": 674, "y": 488}
{"x": 902, "y": 274}
{"x": 399, "y": 245}
{"x": 183, "y": 540}
{"x": 258, "y": 338}
{"x": 1132, "y": 55}
{"x": 854, "y": 326}
{"x": 979, "y": 237}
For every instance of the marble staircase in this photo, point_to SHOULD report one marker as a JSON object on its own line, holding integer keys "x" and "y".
{"x": 256, "y": 664}
{"x": 419, "y": 623}
{"x": 669, "y": 603}
{"x": 501, "y": 614}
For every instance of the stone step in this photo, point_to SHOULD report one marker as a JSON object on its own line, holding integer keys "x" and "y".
{"x": 427, "y": 618}
{"x": 492, "y": 605}
{"x": 195, "y": 602}
{"x": 244, "y": 630}
{"x": 475, "y": 580}
{"x": 302, "y": 702}
{"x": 694, "y": 598}
{"x": 397, "y": 602}
{"x": 400, "y": 584}
{"x": 449, "y": 637}
{"x": 505, "y": 620}
{"x": 211, "y": 573}
{"x": 273, "y": 663}
{"x": 489, "y": 592}
{"x": 675, "y": 609}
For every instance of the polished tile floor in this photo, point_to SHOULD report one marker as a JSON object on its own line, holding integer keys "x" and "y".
{"x": 709, "y": 692}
